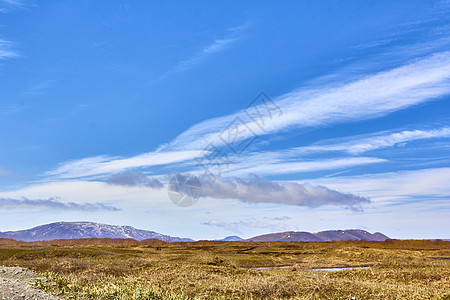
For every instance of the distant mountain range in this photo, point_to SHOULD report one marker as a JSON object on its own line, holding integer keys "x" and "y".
{"x": 322, "y": 236}
{"x": 82, "y": 230}
{"x": 231, "y": 238}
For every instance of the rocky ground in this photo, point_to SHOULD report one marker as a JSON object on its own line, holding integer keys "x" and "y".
{"x": 15, "y": 284}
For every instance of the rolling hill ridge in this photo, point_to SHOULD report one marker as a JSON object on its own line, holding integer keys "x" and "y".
{"x": 89, "y": 230}
{"x": 322, "y": 236}
{"x": 80, "y": 230}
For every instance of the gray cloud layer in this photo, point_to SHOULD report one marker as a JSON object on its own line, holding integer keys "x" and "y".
{"x": 51, "y": 204}
{"x": 131, "y": 179}
{"x": 259, "y": 190}
{"x": 255, "y": 190}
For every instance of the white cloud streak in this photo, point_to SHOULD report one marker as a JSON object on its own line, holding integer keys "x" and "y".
{"x": 218, "y": 45}
{"x": 6, "y": 51}
{"x": 378, "y": 141}
{"x": 395, "y": 187}
{"x": 38, "y": 88}
{"x": 9, "y": 5}
{"x": 101, "y": 165}
{"x": 51, "y": 204}
{"x": 369, "y": 97}
{"x": 289, "y": 161}
{"x": 277, "y": 165}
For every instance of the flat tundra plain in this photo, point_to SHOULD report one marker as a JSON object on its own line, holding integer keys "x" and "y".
{"x": 151, "y": 269}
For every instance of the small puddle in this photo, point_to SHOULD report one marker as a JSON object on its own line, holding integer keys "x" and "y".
{"x": 321, "y": 269}
{"x": 268, "y": 268}
{"x": 338, "y": 269}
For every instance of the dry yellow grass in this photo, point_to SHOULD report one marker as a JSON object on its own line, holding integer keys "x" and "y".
{"x": 213, "y": 270}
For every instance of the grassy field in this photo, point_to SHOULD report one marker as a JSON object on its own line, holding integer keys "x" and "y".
{"x": 126, "y": 269}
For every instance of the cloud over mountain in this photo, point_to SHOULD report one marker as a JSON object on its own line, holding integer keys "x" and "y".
{"x": 52, "y": 204}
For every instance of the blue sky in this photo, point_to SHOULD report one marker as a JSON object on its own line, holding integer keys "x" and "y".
{"x": 101, "y": 102}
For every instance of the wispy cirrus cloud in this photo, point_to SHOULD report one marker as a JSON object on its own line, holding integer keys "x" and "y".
{"x": 101, "y": 165}
{"x": 278, "y": 164}
{"x": 6, "y": 50}
{"x": 216, "y": 46}
{"x": 38, "y": 88}
{"x": 377, "y": 141}
{"x": 287, "y": 161}
{"x": 292, "y": 160}
{"x": 371, "y": 96}
{"x": 283, "y": 218}
{"x": 9, "y": 5}
{"x": 396, "y": 187}
{"x": 52, "y": 204}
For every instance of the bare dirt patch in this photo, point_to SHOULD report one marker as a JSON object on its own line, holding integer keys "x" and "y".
{"x": 15, "y": 283}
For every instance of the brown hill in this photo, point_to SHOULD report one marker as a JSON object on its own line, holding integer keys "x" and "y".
{"x": 289, "y": 236}
{"x": 322, "y": 236}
